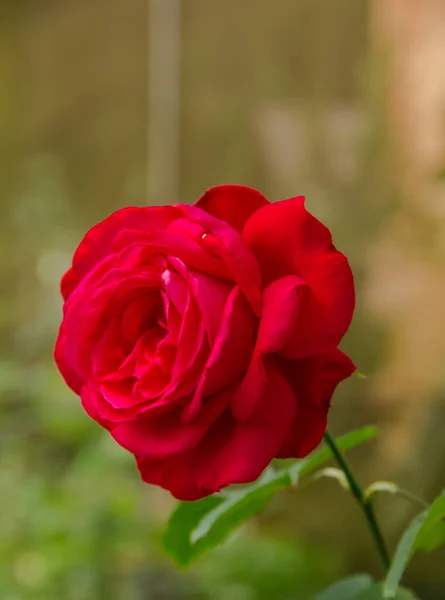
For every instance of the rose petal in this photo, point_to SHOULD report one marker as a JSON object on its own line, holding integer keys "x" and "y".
{"x": 164, "y": 434}
{"x": 225, "y": 242}
{"x": 287, "y": 240}
{"x": 109, "y": 353}
{"x": 97, "y": 244}
{"x": 281, "y": 306}
{"x": 172, "y": 322}
{"x": 211, "y": 295}
{"x": 282, "y": 301}
{"x": 191, "y": 339}
{"x": 98, "y": 408}
{"x": 146, "y": 247}
{"x": 119, "y": 394}
{"x": 72, "y": 379}
{"x": 233, "y": 204}
{"x": 140, "y": 314}
{"x": 231, "y": 452}
{"x": 251, "y": 389}
{"x": 209, "y": 292}
{"x": 230, "y": 354}
{"x": 176, "y": 289}
{"x": 89, "y": 309}
{"x": 153, "y": 381}
{"x": 314, "y": 381}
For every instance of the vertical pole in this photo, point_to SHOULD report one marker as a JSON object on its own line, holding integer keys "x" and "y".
{"x": 164, "y": 100}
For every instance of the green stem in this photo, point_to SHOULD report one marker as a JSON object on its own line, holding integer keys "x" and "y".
{"x": 364, "y": 503}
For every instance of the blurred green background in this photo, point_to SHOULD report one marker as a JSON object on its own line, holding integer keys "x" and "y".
{"x": 106, "y": 103}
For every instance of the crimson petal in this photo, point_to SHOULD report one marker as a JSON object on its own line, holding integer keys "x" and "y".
{"x": 231, "y": 452}
{"x": 97, "y": 243}
{"x": 164, "y": 434}
{"x": 314, "y": 381}
{"x": 233, "y": 204}
{"x": 287, "y": 240}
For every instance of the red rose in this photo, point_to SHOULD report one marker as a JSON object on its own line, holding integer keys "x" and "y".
{"x": 204, "y": 338}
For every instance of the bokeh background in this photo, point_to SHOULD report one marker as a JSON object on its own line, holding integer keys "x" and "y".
{"x": 106, "y": 103}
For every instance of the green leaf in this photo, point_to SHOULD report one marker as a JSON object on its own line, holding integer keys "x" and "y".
{"x": 237, "y": 506}
{"x": 376, "y": 592}
{"x": 381, "y": 486}
{"x": 434, "y": 539}
{"x": 182, "y": 522}
{"x": 420, "y": 534}
{"x": 432, "y": 526}
{"x": 333, "y": 473}
{"x": 196, "y": 527}
{"x": 347, "y": 589}
{"x": 361, "y": 375}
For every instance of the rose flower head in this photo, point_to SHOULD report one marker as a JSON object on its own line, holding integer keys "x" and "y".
{"x": 205, "y": 338}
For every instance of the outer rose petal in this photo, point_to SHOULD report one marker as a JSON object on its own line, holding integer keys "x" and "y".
{"x": 287, "y": 240}
{"x": 98, "y": 241}
{"x": 314, "y": 381}
{"x": 231, "y": 452}
{"x": 233, "y": 204}
{"x": 164, "y": 434}
{"x": 88, "y": 310}
{"x": 100, "y": 410}
{"x": 71, "y": 378}
{"x": 222, "y": 240}
{"x": 282, "y": 300}
{"x": 97, "y": 408}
